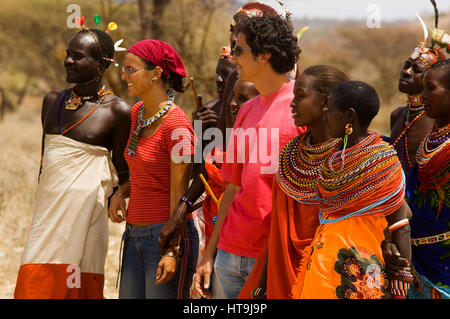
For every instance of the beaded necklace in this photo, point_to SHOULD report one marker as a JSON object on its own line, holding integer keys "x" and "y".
{"x": 435, "y": 141}
{"x": 74, "y": 100}
{"x": 414, "y": 111}
{"x": 141, "y": 124}
{"x": 433, "y": 166}
{"x": 84, "y": 118}
{"x": 369, "y": 165}
{"x": 300, "y": 163}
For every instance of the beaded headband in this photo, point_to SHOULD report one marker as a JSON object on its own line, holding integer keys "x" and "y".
{"x": 111, "y": 27}
{"x": 422, "y": 49}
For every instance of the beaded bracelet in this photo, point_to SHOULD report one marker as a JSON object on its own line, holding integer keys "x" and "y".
{"x": 187, "y": 201}
{"x": 399, "y": 284}
{"x": 398, "y": 224}
{"x": 258, "y": 292}
{"x": 399, "y": 288}
{"x": 404, "y": 276}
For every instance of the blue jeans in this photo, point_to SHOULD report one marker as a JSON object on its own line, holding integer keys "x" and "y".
{"x": 141, "y": 256}
{"x": 230, "y": 274}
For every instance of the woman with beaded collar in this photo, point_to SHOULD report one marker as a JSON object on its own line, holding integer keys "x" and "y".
{"x": 159, "y": 153}
{"x": 294, "y": 205}
{"x": 361, "y": 191}
{"x": 428, "y": 191}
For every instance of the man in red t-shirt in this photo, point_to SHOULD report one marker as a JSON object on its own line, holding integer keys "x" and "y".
{"x": 266, "y": 50}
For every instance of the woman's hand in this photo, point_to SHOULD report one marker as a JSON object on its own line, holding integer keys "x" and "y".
{"x": 167, "y": 268}
{"x": 117, "y": 203}
{"x": 392, "y": 258}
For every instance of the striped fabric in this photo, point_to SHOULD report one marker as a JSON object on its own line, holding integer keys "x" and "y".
{"x": 399, "y": 288}
{"x": 150, "y": 167}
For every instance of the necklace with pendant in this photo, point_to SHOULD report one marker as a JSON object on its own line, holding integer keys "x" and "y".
{"x": 74, "y": 100}
{"x": 141, "y": 124}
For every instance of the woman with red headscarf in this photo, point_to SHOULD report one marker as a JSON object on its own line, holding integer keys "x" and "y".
{"x": 158, "y": 154}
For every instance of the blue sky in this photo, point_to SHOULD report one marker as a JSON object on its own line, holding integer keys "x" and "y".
{"x": 390, "y": 10}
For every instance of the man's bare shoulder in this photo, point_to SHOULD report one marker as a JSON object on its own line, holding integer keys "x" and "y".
{"x": 118, "y": 106}
{"x": 397, "y": 113}
{"x": 51, "y": 97}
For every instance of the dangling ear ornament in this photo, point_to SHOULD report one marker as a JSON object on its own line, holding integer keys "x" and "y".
{"x": 348, "y": 129}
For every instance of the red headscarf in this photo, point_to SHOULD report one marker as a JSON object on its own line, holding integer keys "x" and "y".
{"x": 160, "y": 54}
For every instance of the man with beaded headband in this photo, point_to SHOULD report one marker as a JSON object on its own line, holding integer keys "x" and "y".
{"x": 409, "y": 123}
{"x": 66, "y": 248}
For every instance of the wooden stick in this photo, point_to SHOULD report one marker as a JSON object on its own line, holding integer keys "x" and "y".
{"x": 209, "y": 189}
{"x": 194, "y": 93}
{"x": 200, "y": 101}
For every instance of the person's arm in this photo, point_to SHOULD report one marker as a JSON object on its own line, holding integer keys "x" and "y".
{"x": 205, "y": 267}
{"x": 397, "y": 249}
{"x": 122, "y": 126}
{"x": 179, "y": 181}
{"x": 175, "y": 225}
{"x": 47, "y": 102}
{"x": 117, "y": 202}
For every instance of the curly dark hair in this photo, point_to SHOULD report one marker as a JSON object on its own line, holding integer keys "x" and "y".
{"x": 357, "y": 95}
{"x": 443, "y": 66}
{"x": 274, "y": 35}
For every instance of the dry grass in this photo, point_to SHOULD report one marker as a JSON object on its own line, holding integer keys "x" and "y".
{"x": 20, "y": 138}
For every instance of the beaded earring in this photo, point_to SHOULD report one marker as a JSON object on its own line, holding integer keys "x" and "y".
{"x": 348, "y": 131}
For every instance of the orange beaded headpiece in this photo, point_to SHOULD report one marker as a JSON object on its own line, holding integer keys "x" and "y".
{"x": 422, "y": 51}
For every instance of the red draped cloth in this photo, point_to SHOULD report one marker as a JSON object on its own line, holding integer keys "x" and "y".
{"x": 293, "y": 226}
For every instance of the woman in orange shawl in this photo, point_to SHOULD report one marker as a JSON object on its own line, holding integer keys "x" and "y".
{"x": 295, "y": 210}
{"x": 361, "y": 191}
